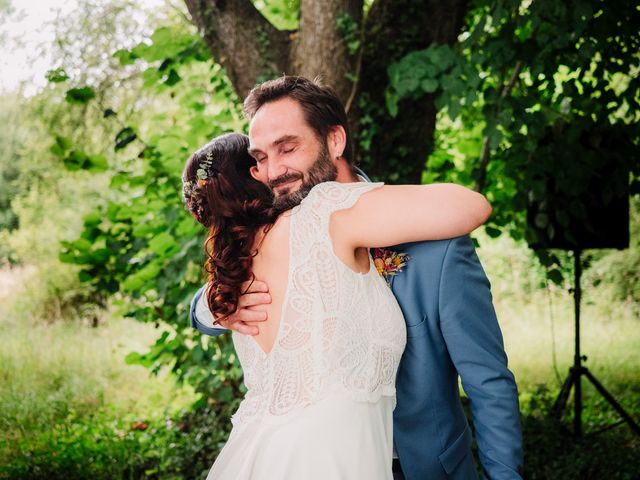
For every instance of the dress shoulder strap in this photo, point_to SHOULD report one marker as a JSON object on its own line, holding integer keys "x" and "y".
{"x": 328, "y": 197}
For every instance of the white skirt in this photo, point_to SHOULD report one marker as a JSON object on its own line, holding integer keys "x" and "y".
{"x": 337, "y": 438}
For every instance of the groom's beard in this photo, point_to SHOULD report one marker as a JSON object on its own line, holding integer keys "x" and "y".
{"x": 322, "y": 170}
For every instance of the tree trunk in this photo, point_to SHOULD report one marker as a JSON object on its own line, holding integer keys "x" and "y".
{"x": 320, "y": 48}
{"x": 393, "y": 29}
{"x": 249, "y": 47}
{"x": 253, "y": 50}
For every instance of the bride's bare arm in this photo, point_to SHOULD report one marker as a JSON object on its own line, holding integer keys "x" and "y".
{"x": 395, "y": 214}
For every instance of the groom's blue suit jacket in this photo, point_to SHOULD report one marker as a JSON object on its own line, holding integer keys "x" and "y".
{"x": 452, "y": 332}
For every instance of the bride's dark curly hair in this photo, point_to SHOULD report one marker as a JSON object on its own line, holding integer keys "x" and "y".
{"x": 222, "y": 196}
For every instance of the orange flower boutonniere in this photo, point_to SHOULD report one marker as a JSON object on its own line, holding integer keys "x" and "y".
{"x": 389, "y": 263}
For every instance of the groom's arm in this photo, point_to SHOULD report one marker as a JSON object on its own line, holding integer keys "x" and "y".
{"x": 245, "y": 320}
{"x": 474, "y": 340}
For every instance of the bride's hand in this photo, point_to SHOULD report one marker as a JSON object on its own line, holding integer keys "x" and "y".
{"x": 246, "y": 318}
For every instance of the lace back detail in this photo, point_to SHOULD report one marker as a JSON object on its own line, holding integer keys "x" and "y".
{"x": 340, "y": 331}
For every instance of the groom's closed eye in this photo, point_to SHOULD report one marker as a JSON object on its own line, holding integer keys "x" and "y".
{"x": 287, "y": 148}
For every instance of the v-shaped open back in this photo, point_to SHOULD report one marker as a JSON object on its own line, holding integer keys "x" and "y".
{"x": 336, "y": 326}
{"x": 329, "y": 377}
{"x": 278, "y": 286}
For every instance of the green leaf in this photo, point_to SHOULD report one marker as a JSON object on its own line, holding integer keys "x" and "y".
{"x": 391, "y": 100}
{"x": 119, "y": 179}
{"x": 137, "y": 280}
{"x": 163, "y": 243}
{"x": 492, "y": 231}
{"x": 79, "y": 95}
{"x": 57, "y": 75}
{"x": 555, "y": 276}
{"x": 92, "y": 219}
{"x": 97, "y": 163}
{"x": 61, "y": 146}
{"x": 124, "y": 137}
{"x": 172, "y": 78}
{"x": 76, "y": 160}
{"x": 429, "y": 85}
{"x": 126, "y": 57}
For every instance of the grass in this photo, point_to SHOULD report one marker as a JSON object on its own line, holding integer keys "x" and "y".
{"x": 539, "y": 333}
{"x": 61, "y": 379}
{"x": 47, "y": 371}
{"x": 538, "y": 323}
{"x": 71, "y": 408}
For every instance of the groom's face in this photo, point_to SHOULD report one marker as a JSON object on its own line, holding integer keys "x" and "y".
{"x": 290, "y": 158}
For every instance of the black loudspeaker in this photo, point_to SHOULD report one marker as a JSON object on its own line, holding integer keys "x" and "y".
{"x": 579, "y": 199}
{"x": 579, "y": 192}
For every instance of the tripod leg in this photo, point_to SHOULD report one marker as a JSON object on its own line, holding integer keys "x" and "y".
{"x": 577, "y": 398}
{"x": 609, "y": 398}
{"x": 561, "y": 402}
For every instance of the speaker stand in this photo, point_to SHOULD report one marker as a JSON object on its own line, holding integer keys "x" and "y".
{"x": 578, "y": 370}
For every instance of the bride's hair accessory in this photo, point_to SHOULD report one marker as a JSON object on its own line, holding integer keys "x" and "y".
{"x": 389, "y": 262}
{"x": 193, "y": 191}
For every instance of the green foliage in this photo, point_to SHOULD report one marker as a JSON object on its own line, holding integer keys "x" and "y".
{"x": 79, "y": 95}
{"x": 283, "y": 14}
{"x": 552, "y": 453}
{"x": 57, "y": 75}
{"x": 142, "y": 248}
{"x": 10, "y": 143}
{"x": 350, "y": 30}
{"x": 124, "y": 137}
{"x": 555, "y": 88}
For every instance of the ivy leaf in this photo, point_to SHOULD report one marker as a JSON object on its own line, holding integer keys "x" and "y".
{"x": 80, "y": 95}
{"x": 124, "y": 137}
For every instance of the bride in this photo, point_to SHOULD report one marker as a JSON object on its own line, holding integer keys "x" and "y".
{"x": 320, "y": 374}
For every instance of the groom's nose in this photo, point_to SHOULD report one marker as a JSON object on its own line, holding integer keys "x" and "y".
{"x": 275, "y": 169}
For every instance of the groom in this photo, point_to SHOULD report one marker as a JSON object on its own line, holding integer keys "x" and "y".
{"x": 452, "y": 330}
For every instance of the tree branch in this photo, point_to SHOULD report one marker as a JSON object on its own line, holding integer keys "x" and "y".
{"x": 486, "y": 151}
{"x": 249, "y": 47}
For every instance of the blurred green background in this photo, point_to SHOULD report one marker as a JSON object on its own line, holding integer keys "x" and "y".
{"x": 101, "y": 103}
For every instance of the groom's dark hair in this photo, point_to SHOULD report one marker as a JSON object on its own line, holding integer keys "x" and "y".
{"x": 321, "y": 106}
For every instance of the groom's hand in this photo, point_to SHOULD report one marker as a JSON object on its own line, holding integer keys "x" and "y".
{"x": 246, "y": 318}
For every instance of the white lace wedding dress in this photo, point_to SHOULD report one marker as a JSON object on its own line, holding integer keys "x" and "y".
{"x": 319, "y": 404}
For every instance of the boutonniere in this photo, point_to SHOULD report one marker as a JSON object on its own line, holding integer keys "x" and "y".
{"x": 389, "y": 263}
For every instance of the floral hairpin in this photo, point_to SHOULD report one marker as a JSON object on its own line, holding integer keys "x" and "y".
{"x": 204, "y": 171}
{"x": 194, "y": 197}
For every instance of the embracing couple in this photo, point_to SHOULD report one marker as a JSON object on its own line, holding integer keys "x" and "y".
{"x": 347, "y": 376}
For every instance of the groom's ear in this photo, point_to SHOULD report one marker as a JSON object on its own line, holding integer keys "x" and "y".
{"x": 253, "y": 170}
{"x": 336, "y": 141}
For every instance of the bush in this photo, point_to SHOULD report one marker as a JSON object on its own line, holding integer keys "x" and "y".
{"x": 98, "y": 447}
